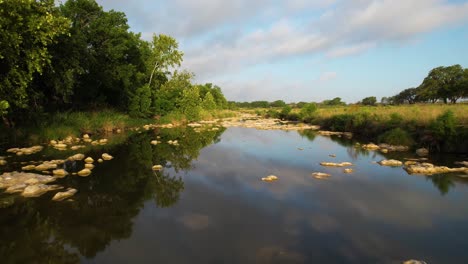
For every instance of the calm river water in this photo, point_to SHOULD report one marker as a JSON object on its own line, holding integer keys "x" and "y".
{"x": 208, "y": 205}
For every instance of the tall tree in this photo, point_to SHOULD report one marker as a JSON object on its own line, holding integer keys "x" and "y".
{"x": 27, "y": 29}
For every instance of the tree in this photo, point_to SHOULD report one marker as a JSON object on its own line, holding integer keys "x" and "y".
{"x": 208, "y": 102}
{"x": 372, "y": 100}
{"x": 409, "y": 96}
{"x": 308, "y": 110}
{"x": 444, "y": 83}
{"x": 164, "y": 54}
{"x": 278, "y": 103}
{"x": 189, "y": 103}
{"x": 27, "y": 29}
{"x": 164, "y": 101}
{"x": 334, "y": 101}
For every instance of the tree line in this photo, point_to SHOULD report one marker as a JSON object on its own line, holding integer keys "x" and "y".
{"x": 76, "y": 56}
{"x": 442, "y": 84}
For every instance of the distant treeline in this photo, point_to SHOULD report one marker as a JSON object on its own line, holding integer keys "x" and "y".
{"x": 76, "y": 56}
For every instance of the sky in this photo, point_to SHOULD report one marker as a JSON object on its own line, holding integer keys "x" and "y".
{"x": 307, "y": 50}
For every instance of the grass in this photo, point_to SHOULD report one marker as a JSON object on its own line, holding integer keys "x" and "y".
{"x": 74, "y": 124}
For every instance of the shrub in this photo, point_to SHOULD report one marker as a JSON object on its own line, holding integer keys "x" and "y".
{"x": 396, "y": 136}
{"x": 308, "y": 110}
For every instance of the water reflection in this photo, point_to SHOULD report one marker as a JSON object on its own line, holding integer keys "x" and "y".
{"x": 41, "y": 231}
{"x": 209, "y": 206}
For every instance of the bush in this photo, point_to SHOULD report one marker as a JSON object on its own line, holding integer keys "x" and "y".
{"x": 444, "y": 127}
{"x": 396, "y": 136}
{"x": 285, "y": 112}
{"x": 308, "y": 110}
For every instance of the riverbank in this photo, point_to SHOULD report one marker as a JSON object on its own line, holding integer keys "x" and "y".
{"x": 440, "y": 128}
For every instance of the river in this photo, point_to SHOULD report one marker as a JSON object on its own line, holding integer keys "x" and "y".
{"x": 209, "y": 205}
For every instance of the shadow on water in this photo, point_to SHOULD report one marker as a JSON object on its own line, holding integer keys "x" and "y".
{"x": 37, "y": 230}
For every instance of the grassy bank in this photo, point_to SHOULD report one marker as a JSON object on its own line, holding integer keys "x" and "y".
{"x": 62, "y": 125}
{"x": 437, "y": 127}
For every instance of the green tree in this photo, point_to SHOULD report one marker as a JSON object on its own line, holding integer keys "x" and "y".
{"x": 164, "y": 54}
{"x": 208, "y": 102}
{"x": 278, "y": 103}
{"x": 308, "y": 110}
{"x": 372, "y": 100}
{"x": 141, "y": 102}
{"x": 445, "y": 83}
{"x": 335, "y": 101}
{"x": 189, "y": 103}
{"x": 164, "y": 101}
{"x": 27, "y": 29}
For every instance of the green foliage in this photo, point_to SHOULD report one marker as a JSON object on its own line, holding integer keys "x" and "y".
{"x": 372, "y": 100}
{"x": 189, "y": 103}
{"x": 396, "y": 136}
{"x": 308, "y": 110}
{"x": 278, "y": 103}
{"x": 208, "y": 102}
{"x": 4, "y": 107}
{"x": 285, "y": 111}
{"x": 444, "y": 127}
{"x": 335, "y": 101}
{"x": 27, "y": 30}
{"x": 141, "y": 102}
{"x": 165, "y": 99}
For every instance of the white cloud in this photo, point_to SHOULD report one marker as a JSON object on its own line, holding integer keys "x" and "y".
{"x": 221, "y": 38}
{"x": 327, "y": 76}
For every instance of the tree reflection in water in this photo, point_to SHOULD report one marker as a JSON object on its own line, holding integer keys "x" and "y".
{"x": 41, "y": 231}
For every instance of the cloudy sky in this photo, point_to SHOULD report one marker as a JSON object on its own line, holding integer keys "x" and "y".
{"x": 307, "y": 50}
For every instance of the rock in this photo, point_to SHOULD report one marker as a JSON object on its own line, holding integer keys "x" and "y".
{"x": 370, "y": 146}
{"x": 60, "y": 173}
{"x": 89, "y": 166}
{"x": 320, "y": 175}
{"x": 25, "y": 151}
{"x": 332, "y": 164}
{"x": 157, "y": 167}
{"x": 194, "y": 125}
{"x": 270, "y": 178}
{"x": 332, "y": 155}
{"x": 118, "y": 131}
{"x": 53, "y": 142}
{"x": 38, "y": 190}
{"x": 463, "y": 163}
{"x": 106, "y": 156}
{"x": 333, "y": 133}
{"x": 429, "y": 169}
{"x": 46, "y": 165}
{"x": 28, "y": 167}
{"x": 60, "y": 196}
{"x": 422, "y": 152}
{"x": 3, "y": 162}
{"x": 78, "y": 156}
{"x": 95, "y": 143}
{"x": 154, "y": 142}
{"x": 412, "y": 261}
{"x": 84, "y": 172}
{"x": 389, "y": 147}
{"x": 60, "y": 146}
{"x": 100, "y": 160}
{"x": 391, "y": 163}
{"x": 85, "y": 136}
{"x": 410, "y": 162}
{"x": 103, "y": 141}
{"x": 348, "y": 171}
{"x": 89, "y": 160}
{"x": 77, "y": 147}
{"x": 16, "y": 188}
{"x": 384, "y": 150}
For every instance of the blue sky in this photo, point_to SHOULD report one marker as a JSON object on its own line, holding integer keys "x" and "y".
{"x": 307, "y": 50}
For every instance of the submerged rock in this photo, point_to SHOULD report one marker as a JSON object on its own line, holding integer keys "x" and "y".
{"x": 422, "y": 152}
{"x": 100, "y": 160}
{"x": 60, "y": 196}
{"x": 429, "y": 169}
{"x": 333, "y": 164}
{"x": 332, "y": 155}
{"x": 270, "y": 178}
{"x": 334, "y": 133}
{"x": 320, "y": 175}
{"x": 348, "y": 171}
{"x": 106, "y": 156}
{"x": 389, "y": 147}
{"x": 39, "y": 189}
{"x": 3, "y": 162}
{"x": 391, "y": 163}
{"x": 84, "y": 172}
{"x": 157, "y": 167}
{"x": 28, "y": 167}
